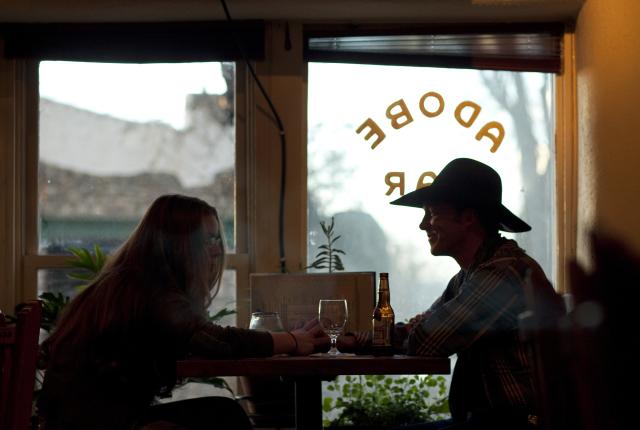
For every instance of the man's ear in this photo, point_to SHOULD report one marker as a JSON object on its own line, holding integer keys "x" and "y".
{"x": 469, "y": 217}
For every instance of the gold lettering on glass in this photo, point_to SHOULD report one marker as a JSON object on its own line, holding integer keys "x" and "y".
{"x": 423, "y": 104}
{"x": 474, "y": 113}
{"x": 486, "y": 132}
{"x": 431, "y": 105}
{"x": 393, "y": 185}
{"x": 397, "y": 120}
{"x": 374, "y": 130}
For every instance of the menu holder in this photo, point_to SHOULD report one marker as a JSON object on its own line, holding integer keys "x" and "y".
{"x": 296, "y": 296}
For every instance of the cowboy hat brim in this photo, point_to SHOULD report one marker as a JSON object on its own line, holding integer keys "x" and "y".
{"x": 507, "y": 220}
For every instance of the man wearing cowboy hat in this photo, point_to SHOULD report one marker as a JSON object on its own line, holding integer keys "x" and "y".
{"x": 477, "y": 315}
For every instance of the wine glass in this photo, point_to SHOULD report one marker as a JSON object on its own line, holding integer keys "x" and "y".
{"x": 332, "y": 315}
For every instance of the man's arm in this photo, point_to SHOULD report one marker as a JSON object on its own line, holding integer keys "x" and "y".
{"x": 489, "y": 301}
{"x": 361, "y": 340}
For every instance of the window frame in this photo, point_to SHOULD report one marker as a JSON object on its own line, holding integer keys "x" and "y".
{"x": 33, "y": 261}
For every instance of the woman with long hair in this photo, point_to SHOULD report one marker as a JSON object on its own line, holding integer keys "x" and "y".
{"x": 114, "y": 349}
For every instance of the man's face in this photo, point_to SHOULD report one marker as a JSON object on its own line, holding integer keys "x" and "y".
{"x": 445, "y": 229}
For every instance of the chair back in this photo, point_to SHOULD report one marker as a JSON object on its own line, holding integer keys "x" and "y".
{"x": 18, "y": 357}
{"x": 296, "y": 295}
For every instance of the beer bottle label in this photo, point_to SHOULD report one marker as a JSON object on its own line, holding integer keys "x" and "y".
{"x": 382, "y": 331}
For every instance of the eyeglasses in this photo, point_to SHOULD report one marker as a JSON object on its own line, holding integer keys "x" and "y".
{"x": 214, "y": 241}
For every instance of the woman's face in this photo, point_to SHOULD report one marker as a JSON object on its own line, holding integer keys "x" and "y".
{"x": 213, "y": 242}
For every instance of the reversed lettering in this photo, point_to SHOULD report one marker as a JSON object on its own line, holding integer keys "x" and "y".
{"x": 474, "y": 113}
{"x": 374, "y": 130}
{"x": 423, "y": 102}
{"x": 397, "y": 184}
{"x": 421, "y": 180}
{"x": 486, "y": 132}
{"x": 401, "y": 118}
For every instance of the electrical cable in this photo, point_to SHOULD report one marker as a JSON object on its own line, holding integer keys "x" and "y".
{"x": 283, "y": 142}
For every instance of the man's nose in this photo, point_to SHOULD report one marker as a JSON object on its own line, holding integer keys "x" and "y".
{"x": 425, "y": 224}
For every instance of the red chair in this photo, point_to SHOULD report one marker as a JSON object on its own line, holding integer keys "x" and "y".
{"x": 18, "y": 356}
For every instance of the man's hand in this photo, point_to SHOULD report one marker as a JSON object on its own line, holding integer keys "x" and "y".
{"x": 347, "y": 343}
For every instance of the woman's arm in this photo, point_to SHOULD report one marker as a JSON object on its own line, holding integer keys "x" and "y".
{"x": 302, "y": 341}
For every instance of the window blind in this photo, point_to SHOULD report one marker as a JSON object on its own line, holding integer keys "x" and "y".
{"x": 514, "y": 47}
{"x": 135, "y": 42}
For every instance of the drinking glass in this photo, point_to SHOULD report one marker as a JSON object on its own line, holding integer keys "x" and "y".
{"x": 266, "y": 321}
{"x": 332, "y": 315}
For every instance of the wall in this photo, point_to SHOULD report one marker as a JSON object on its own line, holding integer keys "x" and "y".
{"x": 608, "y": 90}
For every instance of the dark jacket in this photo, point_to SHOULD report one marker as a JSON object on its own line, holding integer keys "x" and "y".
{"x": 109, "y": 383}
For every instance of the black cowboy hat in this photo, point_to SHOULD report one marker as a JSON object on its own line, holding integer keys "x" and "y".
{"x": 467, "y": 183}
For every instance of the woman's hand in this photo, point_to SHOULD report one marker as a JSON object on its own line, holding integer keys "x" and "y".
{"x": 301, "y": 341}
{"x": 310, "y": 338}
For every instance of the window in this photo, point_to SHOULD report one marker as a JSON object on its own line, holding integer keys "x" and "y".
{"x": 114, "y": 136}
{"x": 437, "y": 114}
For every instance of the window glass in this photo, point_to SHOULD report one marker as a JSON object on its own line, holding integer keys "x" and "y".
{"x": 225, "y": 301}
{"x": 113, "y": 137}
{"x": 428, "y": 116}
{"x": 58, "y": 281}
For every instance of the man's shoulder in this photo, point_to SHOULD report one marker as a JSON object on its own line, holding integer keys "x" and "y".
{"x": 508, "y": 256}
{"x": 507, "y": 253}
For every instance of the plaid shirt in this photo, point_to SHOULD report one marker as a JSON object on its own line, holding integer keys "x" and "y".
{"x": 477, "y": 318}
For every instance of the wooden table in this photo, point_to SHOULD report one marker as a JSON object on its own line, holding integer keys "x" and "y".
{"x": 308, "y": 372}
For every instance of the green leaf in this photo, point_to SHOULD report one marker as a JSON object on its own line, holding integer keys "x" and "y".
{"x": 81, "y": 276}
{"x": 52, "y": 306}
{"x": 83, "y": 259}
{"x": 221, "y": 314}
{"x": 327, "y": 404}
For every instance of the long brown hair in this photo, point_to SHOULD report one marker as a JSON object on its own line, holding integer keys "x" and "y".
{"x": 166, "y": 252}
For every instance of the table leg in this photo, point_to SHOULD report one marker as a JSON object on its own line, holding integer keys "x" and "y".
{"x": 308, "y": 404}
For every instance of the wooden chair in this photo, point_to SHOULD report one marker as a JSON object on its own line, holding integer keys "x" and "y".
{"x": 18, "y": 356}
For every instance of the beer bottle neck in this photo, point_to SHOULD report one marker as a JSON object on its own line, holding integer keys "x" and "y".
{"x": 384, "y": 297}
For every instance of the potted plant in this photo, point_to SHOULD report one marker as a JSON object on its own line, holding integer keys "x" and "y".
{"x": 328, "y": 256}
{"x": 376, "y": 402}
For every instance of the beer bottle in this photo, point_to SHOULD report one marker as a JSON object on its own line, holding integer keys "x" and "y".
{"x": 383, "y": 320}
